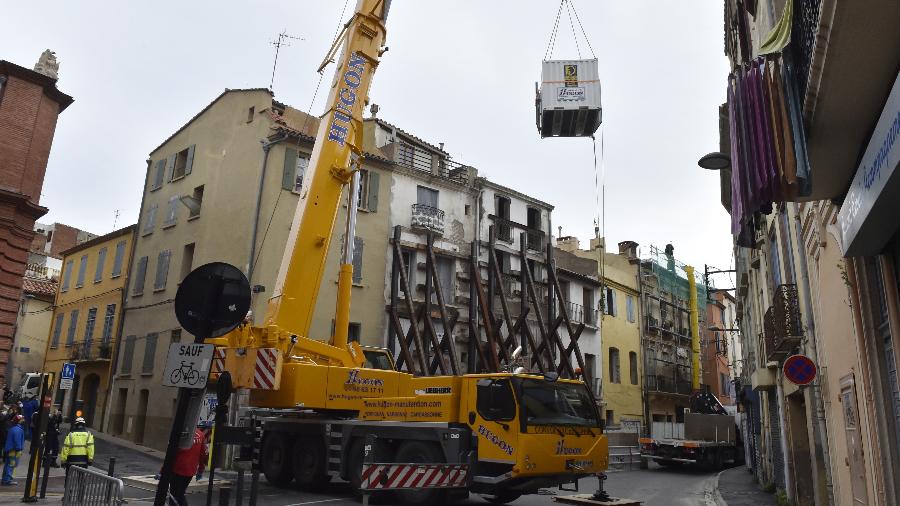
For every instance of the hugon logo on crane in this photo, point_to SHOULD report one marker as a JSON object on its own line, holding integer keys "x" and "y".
{"x": 346, "y": 98}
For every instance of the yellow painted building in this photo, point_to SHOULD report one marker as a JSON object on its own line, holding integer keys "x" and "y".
{"x": 620, "y": 331}
{"x": 86, "y": 324}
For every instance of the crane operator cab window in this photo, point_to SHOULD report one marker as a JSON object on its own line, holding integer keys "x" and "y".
{"x": 557, "y": 403}
{"x": 495, "y": 400}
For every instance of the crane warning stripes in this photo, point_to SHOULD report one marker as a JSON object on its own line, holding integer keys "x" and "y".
{"x": 266, "y": 362}
{"x": 218, "y": 363}
{"x": 417, "y": 476}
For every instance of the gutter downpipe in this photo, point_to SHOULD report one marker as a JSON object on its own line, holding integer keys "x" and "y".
{"x": 266, "y": 146}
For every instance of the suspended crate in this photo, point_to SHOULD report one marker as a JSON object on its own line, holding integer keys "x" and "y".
{"x": 567, "y": 104}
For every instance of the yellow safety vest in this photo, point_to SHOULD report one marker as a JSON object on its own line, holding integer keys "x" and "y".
{"x": 78, "y": 444}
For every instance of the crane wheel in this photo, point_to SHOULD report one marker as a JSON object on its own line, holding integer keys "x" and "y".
{"x": 309, "y": 463}
{"x": 420, "y": 452}
{"x": 276, "y": 459}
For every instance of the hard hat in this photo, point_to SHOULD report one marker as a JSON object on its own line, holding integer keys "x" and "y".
{"x": 80, "y": 421}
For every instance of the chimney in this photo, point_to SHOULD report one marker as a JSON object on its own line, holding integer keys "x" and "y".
{"x": 568, "y": 243}
{"x": 598, "y": 243}
{"x": 628, "y": 249}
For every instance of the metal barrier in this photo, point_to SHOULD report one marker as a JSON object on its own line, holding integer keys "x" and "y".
{"x": 86, "y": 487}
{"x": 624, "y": 458}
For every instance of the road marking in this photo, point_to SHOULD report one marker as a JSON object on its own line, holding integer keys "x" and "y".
{"x": 318, "y": 502}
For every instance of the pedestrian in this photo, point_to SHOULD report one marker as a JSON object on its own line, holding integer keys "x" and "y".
{"x": 53, "y": 423}
{"x": 78, "y": 448}
{"x": 29, "y": 408}
{"x": 189, "y": 463}
{"x": 15, "y": 442}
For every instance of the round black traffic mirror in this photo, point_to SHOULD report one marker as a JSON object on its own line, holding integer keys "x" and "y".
{"x": 212, "y": 300}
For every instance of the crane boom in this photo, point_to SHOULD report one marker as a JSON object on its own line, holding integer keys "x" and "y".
{"x": 333, "y": 165}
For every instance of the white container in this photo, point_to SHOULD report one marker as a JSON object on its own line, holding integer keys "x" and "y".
{"x": 568, "y": 100}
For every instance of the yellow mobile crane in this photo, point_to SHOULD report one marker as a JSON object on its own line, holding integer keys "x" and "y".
{"x": 316, "y": 401}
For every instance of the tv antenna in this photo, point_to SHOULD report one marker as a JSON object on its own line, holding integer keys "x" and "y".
{"x": 282, "y": 40}
{"x": 115, "y": 219}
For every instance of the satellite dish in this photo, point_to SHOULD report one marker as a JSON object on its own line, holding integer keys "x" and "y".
{"x": 212, "y": 300}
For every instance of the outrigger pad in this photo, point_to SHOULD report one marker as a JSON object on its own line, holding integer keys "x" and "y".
{"x": 588, "y": 499}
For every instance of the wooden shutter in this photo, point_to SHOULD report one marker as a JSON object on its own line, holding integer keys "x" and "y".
{"x": 190, "y": 160}
{"x": 149, "y": 352}
{"x": 357, "y": 259}
{"x": 372, "y": 205}
{"x": 128, "y": 354}
{"x": 57, "y": 330}
{"x": 160, "y": 173}
{"x": 290, "y": 169}
{"x": 141, "y": 275}
{"x": 170, "y": 167}
{"x": 101, "y": 260}
{"x": 162, "y": 269}
{"x": 120, "y": 257}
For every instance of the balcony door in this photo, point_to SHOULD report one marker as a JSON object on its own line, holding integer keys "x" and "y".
{"x": 427, "y": 197}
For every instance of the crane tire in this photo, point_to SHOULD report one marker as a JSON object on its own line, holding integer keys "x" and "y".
{"x": 309, "y": 463}
{"x": 276, "y": 459}
{"x": 426, "y": 453}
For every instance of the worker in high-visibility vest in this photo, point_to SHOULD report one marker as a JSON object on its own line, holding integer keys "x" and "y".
{"x": 78, "y": 448}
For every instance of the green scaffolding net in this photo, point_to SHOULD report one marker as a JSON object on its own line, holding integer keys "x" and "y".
{"x": 673, "y": 278}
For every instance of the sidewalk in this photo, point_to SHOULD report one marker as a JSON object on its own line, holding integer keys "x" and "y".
{"x": 736, "y": 488}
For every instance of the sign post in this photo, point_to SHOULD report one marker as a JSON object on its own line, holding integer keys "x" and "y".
{"x": 211, "y": 301}
{"x": 67, "y": 376}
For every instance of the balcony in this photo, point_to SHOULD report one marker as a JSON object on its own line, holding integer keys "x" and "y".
{"x": 782, "y": 327}
{"x": 88, "y": 352}
{"x": 578, "y": 314}
{"x": 535, "y": 240}
{"x": 423, "y": 160}
{"x": 427, "y": 218}
{"x": 668, "y": 385}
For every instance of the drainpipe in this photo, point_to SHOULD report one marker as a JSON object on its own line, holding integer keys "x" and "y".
{"x": 817, "y": 398}
{"x": 266, "y": 146}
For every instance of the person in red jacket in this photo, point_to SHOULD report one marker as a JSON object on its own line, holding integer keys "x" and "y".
{"x": 189, "y": 462}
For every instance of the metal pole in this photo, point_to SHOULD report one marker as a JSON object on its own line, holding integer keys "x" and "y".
{"x": 240, "y": 487}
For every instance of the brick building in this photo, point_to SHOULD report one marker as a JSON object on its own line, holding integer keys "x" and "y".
{"x": 29, "y": 106}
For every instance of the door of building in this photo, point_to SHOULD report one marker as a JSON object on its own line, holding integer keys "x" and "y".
{"x": 854, "y": 443}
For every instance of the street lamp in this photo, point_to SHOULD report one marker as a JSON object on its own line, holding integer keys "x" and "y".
{"x": 715, "y": 161}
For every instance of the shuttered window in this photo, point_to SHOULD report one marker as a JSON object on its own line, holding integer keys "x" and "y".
{"x": 171, "y": 212}
{"x": 108, "y": 320}
{"x": 150, "y": 219}
{"x": 615, "y": 373}
{"x": 120, "y": 258}
{"x": 82, "y": 268}
{"x": 293, "y": 170}
{"x": 89, "y": 325}
{"x": 73, "y": 324}
{"x": 162, "y": 270}
{"x": 140, "y": 276}
{"x": 368, "y": 191}
{"x": 67, "y": 275}
{"x": 57, "y": 330}
{"x": 357, "y": 259}
{"x": 101, "y": 263}
{"x": 159, "y": 171}
{"x": 128, "y": 355}
{"x": 149, "y": 353}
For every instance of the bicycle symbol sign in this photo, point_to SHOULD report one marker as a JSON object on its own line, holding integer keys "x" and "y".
{"x": 187, "y": 365}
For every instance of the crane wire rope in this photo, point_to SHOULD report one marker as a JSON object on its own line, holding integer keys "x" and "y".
{"x": 302, "y": 131}
{"x": 572, "y": 26}
{"x": 570, "y": 11}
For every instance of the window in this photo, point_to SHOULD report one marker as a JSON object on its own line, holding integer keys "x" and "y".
{"x": 615, "y": 374}
{"x": 82, "y": 269}
{"x": 774, "y": 262}
{"x": 295, "y": 165}
{"x": 171, "y": 212}
{"x": 182, "y": 163}
{"x": 357, "y": 260}
{"x": 250, "y": 112}
{"x": 149, "y": 220}
{"x": 89, "y": 325}
{"x": 495, "y": 399}
{"x": 427, "y": 197}
{"x": 73, "y": 324}
{"x": 101, "y": 261}
{"x": 446, "y": 268}
{"x": 564, "y": 289}
{"x": 787, "y": 251}
{"x": 610, "y": 417}
{"x": 633, "y": 367}
{"x": 409, "y": 260}
{"x": 127, "y": 355}
{"x": 187, "y": 261}
{"x": 590, "y": 365}
{"x": 354, "y": 331}
{"x": 501, "y": 208}
{"x": 120, "y": 257}
{"x": 149, "y": 353}
{"x": 629, "y": 307}
{"x": 159, "y": 173}
{"x": 67, "y": 275}
{"x": 176, "y": 336}
{"x": 368, "y": 190}
{"x": 723, "y": 384}
{"x": 195, "y": 203}
{"x": 610, "y": 301}
{"x": 57, "y": 330}
{"x": 108, "y": 320}
{"x": 162, "y": 270}
{"x": 587, "y": 296}
{"x": 139, "y": 276}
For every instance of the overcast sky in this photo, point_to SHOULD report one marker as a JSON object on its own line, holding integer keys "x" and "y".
{"x": 460, "y": 72}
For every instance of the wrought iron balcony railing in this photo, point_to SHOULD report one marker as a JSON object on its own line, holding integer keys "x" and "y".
{"x": 667, "y": 384}
{"x": 578, "y": 314}
{"x": 428, "y": 218}
{"x": 803, "y": 35}
{"x": 91, "y": 351}
{"x": 782, "y": 324}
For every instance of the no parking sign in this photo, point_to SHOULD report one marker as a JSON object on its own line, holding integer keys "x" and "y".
{"x": 799, "y": 370}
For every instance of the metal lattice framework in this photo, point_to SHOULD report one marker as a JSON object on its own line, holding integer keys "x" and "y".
{"x": 803, "y": 39}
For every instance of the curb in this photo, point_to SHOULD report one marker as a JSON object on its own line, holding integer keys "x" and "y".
{"x": 717, "y": 496}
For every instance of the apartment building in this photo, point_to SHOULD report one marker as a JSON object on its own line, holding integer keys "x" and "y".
{"x": 714, "y": 351}
{"x": 86, "y": 321}
{"x": 816, "y": 264}
{"x": 32, "y": 327}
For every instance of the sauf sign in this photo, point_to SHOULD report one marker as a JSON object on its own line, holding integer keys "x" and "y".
{"x": 343, "y": 106}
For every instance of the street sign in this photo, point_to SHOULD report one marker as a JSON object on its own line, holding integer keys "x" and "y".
{"x": 799, "y": 370}
{"x": 187, "y": 365}
{"x": 66, "y": 376}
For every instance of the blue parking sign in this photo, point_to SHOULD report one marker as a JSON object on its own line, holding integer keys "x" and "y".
{"x": 68, "y": 371}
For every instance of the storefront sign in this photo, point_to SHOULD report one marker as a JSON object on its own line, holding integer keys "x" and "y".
{"x": 868, "y": 217}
